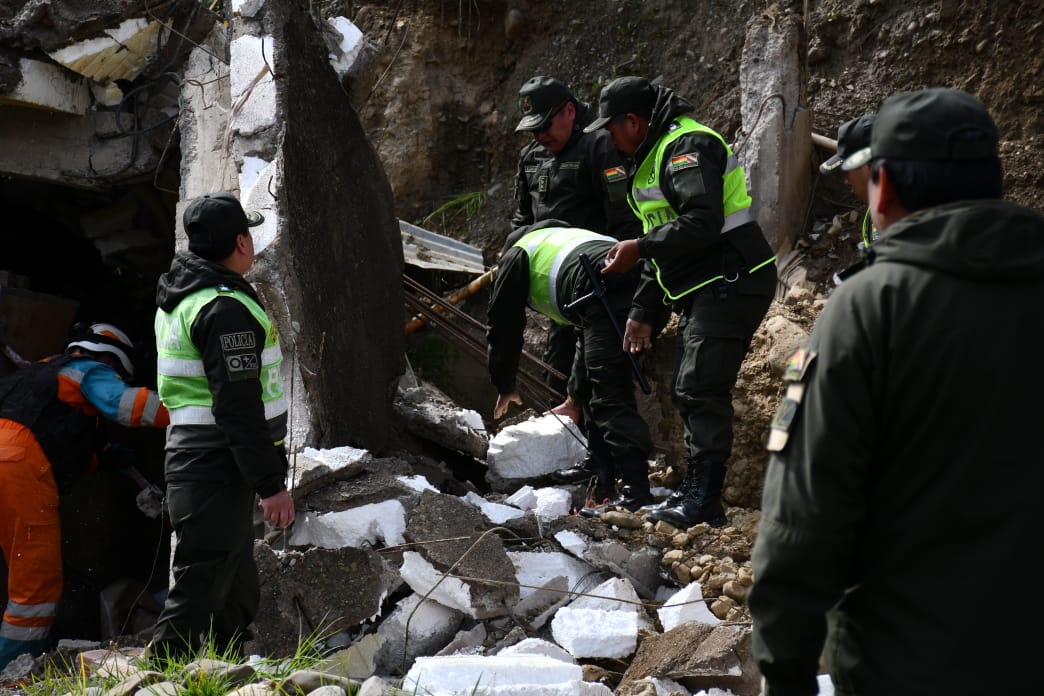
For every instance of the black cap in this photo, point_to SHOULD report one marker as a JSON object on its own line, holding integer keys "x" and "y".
{"x": 934, "y": 124}
{"x": 852, "y": 137}
{"x": 212, "y": 223}
{"x": 624, "y": 95}
{"x": 538, "y": 100}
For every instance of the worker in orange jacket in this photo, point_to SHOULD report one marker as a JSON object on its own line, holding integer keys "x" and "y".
{"x": 50, "y": 438}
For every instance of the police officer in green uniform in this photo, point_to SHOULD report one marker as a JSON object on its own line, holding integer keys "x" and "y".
{"x": 542, "y": 270}
{"x": 218, "y": 375}
{"x": 706, "y": 256}
{"x": 853, "y": 137}
{"x": 905, "y": 465}
{"x": 568, "y": 175}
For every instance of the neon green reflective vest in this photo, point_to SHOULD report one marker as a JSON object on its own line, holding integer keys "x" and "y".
{"x": 650, "y": 203}
{"x": 181, "y": 378}
{"x": 547, "y": 250}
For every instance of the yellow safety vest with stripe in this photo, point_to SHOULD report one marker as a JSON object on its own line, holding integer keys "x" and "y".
{"x": 548, "y": 249}
{"x": 181, "y": 378}
{"x": 650, "y": 203}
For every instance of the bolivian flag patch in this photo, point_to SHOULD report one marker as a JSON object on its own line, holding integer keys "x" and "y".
{"x": 681, "y": 162}
{"x": 614, "y": 174}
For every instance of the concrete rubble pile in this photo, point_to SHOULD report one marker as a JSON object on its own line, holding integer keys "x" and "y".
{"x": 405, "y": 586}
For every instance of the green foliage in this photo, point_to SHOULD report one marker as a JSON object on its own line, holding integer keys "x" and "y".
{"x": 74, "y": 680}
{"x": 458, "y": 210}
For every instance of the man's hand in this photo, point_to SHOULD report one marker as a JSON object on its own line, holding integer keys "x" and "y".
{"x": 622, "y": 257}
{"x": 503, "y": 401}
{"x": 567, "y": 408}
{"x": 278, "y": 509}
{"x": 637, "y": 336}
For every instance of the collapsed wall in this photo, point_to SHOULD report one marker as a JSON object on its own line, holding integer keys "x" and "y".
{"x": 275, "y": 125}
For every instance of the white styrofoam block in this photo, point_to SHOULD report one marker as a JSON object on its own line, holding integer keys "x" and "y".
{"x": 552, "y": 503}
{"x": 494, "y": 512}
{"x": 496, "y": 675}
{"x": 524, "y": 498}
{"x": 417, "y": 483}
{"x": 536, "y": 646}
{"x": 382, "y": 522}
{"x": 348, "y": 47}
{"x": 422, "y": 576}
{"x": 536, "y": 569}
{"x": 616, "y": 634}
{"x": 572, "y": 542}
{"x": 535, "y": 448}
{"x": 684, "y": 606}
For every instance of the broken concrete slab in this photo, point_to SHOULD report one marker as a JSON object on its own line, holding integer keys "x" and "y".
{"x": 446, "y": 531}
{"x": 533, "y": 448}
{"x": 318, "y": 591}
{"x": 639, "y": 565}
{"x": 415, "y": 627}
{"x": 380, "y": 482}
{"x": 777, "y": 149}
{"x": 684, "y": 606}
{"x": 499, "y": 675}
{"x": 466, "y": 642}
{"x": 46, "y": 86}
{"x": 540, "y": 603}
{"x": 699, "y": 657}
{"x": 429, "y": 414}
{"x": 312, "y": 468}
{"x": 357, "y": 661}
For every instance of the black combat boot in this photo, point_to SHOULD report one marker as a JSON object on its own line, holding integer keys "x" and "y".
{"x": 634, "y": 494}
{"x": 585, "y": 470}
{"x": 676, "y": 497}
{"x": 702, "y": 501}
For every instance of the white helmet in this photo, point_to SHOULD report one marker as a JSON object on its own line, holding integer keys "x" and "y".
{"x": 104, "y": 338}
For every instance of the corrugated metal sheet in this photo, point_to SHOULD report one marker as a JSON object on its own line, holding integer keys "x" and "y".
{"x": 426, "y": 249}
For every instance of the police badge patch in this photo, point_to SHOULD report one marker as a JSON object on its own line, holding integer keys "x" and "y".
{"x": 794, "y": 377}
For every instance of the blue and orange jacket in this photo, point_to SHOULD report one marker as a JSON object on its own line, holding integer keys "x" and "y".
{"x": 62, "y": 399}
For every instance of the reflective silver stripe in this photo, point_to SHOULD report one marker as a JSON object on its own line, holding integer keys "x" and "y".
{"x": 275, "y": 408}
{"x": 72, "y": 372}
{"x": 733, "y": 163}
{"x": 734, "y": 220}
{"x": 651, "y": 193}
{"x": 125, "y": 412}
{"x": 31, "y": 611}
{"x": 12, "y": 632}
{"x": 560, "y": 258}
{"x": 152, "y": 405}
{"x": 534, "y": 242}
{"x": 191, "y": 415}
{"x": 202, "y": 415}
{"x": 272, "y": 355}
{"x": 176, "y": 367}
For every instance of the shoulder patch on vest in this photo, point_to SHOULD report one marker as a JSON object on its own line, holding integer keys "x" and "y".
{"x": 686, "y": 161}
{"x": 614, "y": 174}
{"x": 793, "y": 376}
{"x": 238, "y": 341}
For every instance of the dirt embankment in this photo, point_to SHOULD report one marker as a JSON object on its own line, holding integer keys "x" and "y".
{"x": 443, "y": 108}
